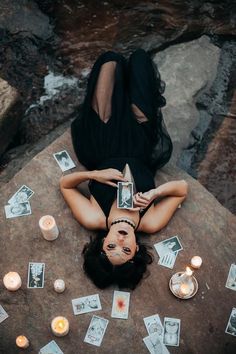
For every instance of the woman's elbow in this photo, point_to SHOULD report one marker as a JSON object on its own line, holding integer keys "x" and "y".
{"x": 184, "y": 188}
{"x": 61, "y": 183}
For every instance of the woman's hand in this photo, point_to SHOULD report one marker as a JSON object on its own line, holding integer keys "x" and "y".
{"x": 106, "y": 176}
{"x": 142, "y": 200}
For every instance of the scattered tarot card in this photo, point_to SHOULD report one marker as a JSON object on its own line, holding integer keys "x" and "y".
{"x": 171, "y": 331}
{"x": 51, "y": 348}
{"x": 231, "y": 280}
{"x": 172, "y": 244}
{"x": 153, "y": 325}
{"x": 155, "y": 345}
{"x": 21, "y": 196}
{"x": 125, "y": 195}
{"x": 96, "y": 331}
{"x": 3, "y": 314}
{"x": 120, "y": 305}
{"x": 15, "y": 210}
{"x": 86, "y": 304}
{"x": 36, "y": 275}
{"x": 168, "y": 260}
{"x": 64, "y": 160}
{"x": 231, "y": 326}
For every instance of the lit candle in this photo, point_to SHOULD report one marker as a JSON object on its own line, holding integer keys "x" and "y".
{"x": 22, "y": 342}
{"x": 184, "y": 289}
{"x": 196, "y": 262}
{"x": 60, "y": 326}
{"x": 188, "y": 271}
{"x": 12, "y": 281}
{"x": 59, "y": 285}
{"x": 48, "y": 227}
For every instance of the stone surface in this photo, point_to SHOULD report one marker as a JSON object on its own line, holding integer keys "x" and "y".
{"x": 186, "y": 75}
{"x": 204, "y": 227}
{"x": 10, "y": 114}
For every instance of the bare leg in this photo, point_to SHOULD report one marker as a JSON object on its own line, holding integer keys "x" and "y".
{"x": 139, "y": 115}
{"x": 102, "y": 97}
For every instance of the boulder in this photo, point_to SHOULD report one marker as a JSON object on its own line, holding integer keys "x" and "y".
{"x": 9, "y": 114}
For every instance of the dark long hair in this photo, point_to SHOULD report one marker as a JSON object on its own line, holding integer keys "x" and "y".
{"x": 103, "y": 273}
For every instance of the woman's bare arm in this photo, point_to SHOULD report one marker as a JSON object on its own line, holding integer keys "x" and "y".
{"x": 172, "y": 193}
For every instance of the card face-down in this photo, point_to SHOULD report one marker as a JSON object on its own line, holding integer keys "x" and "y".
{"x": 125, "y": 195}
{"x": 96, "y": 331}
{"x": 171, "y": 331}
{"x": 36, "y": 275}
{"x": 120, "y": 304}
{"x": 86, "y": 304}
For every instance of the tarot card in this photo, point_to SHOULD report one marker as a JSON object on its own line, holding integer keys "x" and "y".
{"x": 120, "y": 305}
{"x": 171, "y": 331}
{"x": 153, "y": 325}
{"x": 171, "y": 245}
{"x": 125, "y": 195}
{"x": 168, "y": 260}
{"x": 21, "y": 196}
{"x": 51, "y": 348}
{"x": 3, "y": 314}
{"x": 231, "y": 325}
{"x": 231, "y": 280}
{"x": 86, "y": 304}
{"x": 36, "y": 275}
{"x": 15, "y": 210}
{"x": 64, "y": 160}
{"x": 155, "y": 345}
{"x": 96, "y": 331}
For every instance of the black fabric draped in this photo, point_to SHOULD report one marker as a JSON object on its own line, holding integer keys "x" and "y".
{"x": 122, "y": 138}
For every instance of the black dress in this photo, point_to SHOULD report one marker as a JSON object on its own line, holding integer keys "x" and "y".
{"x": 144, "y": 146}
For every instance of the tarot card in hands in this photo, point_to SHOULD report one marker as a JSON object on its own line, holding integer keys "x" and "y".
{"x": 153, "y": 325}
{"x": 120, "y": 304}
{"x": 154, "y": 344}
{"x": 86, "y": 304}
{"x": 23, "y": 195}
{"x": 36, "y": 275}
{"x": 3, "y": 314}
{"x": 171, "y": 331}
{"x": 231, "y": 325}
{"x": 64, "y": 160}
{"x": 231, "y": 280}
{"x": 96, "y": 331}
{"x": 51, "y": 348}
{"x": 15, "y": 210}
{"x": 168, "y": 251}
{"x": 125, "y": 195}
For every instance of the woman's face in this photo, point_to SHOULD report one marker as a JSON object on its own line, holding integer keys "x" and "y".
{"x": 120, "y": 243}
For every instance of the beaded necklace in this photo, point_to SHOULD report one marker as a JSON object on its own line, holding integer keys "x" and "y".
{"x": 131, "y": 223}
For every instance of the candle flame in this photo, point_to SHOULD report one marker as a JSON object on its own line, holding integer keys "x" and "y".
{"x": 61, "y": 324}
{"x": 188, "y": 271}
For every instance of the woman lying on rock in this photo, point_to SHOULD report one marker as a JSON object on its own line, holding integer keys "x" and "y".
{"x": 120, "y": 136}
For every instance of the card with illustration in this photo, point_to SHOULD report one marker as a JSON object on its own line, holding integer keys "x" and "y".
{"x": 168, "y": 260}
{"x": 125, "y": 195}
{"x": 96, "y": 331}
{"x": 35, "y": 275}
{"x": 231, "y": 325}
{"x": 154, "y": 344}
{"x": 51, "y": 348}
{"x": 86, "y": 304}
{"x": 120, "y": 304}
{"x": 171, "y": 331}
{"x": 64, "y": 160}
{"x": 153, "y": 325}
{"x": 15, "y": 210}
{"x": 231, "y": 280}
{"x": 23, "y": 194}
{"x": 3, "y": 314}
{"x": 171, "y": 245}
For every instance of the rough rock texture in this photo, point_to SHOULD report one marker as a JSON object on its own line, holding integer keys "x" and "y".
{"x": 203, "y": 225}
{"x": 187, "y": 71}
{"x": 10, "y": 114}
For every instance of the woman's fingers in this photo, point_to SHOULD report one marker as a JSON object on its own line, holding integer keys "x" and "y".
{"x": 111, "y": 184}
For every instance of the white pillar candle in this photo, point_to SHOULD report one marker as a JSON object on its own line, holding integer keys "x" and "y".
{"x": 12, "y": 281}
{"x": 22, "y": 342}
{"x": 60, "y": 326}
{"x": 48, "y": 227}
{"x": 196, "y": 262}
{"x": 59, "y": 285}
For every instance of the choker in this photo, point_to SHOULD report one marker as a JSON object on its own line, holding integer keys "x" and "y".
{"x": 124, "y": 220}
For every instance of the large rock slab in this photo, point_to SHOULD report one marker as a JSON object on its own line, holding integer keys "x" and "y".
{"x": 9, "y": 115}
{"x": 204, "y": 228}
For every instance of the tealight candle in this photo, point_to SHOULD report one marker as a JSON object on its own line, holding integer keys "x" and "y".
{"x": 12, "y": 281}
{"x": 196, "y": 262}
{"x": 60, "y": 326}
{"x": 22, "y": 342}
{"x": 48, "y": 227}
{"x": 59, "y": 285}
{"x": 184, "y": 289}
